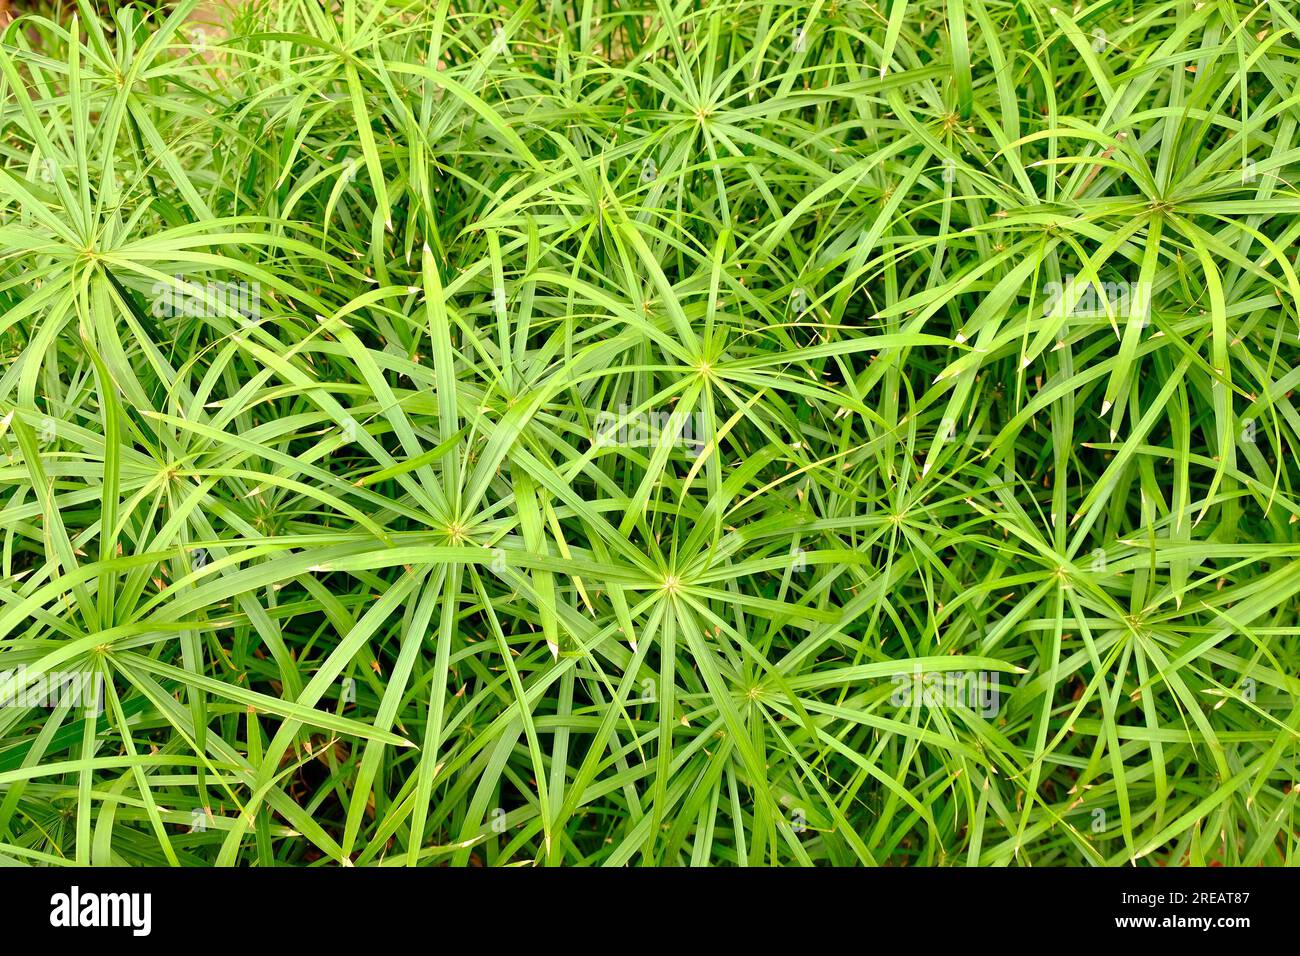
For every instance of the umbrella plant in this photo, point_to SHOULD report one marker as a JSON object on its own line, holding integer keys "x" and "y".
{"x": 651, "y": 432}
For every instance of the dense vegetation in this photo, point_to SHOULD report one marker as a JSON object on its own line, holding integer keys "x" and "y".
{"x": 651, "y": 432}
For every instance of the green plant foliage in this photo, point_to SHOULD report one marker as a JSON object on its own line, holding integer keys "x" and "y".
{"x": 711, "y": 432}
